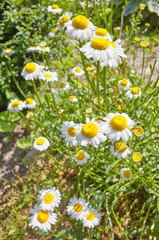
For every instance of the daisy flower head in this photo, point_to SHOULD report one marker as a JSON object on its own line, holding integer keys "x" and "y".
{"x": 144, "y": 44}
{"x": 79, "y": 28}
{"x": 76, "y": 208}
{"x": 124, "y": 84}
{"x": 89, "y": 110}
{"x": 31, "y": 71}
{"x": 117, "y": 126}
{"x": 137, "y": 39}
{"x": 77, "y": 71}
{"x": 49, "y": 199}
{"x": 43, "y": 44}
{"x": 41, "y": 144}
{"x": 136, "y": 157}
{"x": 29, "y": 115}
{"x": 41, "y": 50}
{"x": 54, "y": 8}
{"x": 96, "y": 100}
{"x": 31, "y": 49}
{"x": 121, "y": 150}
{"x": 15, "y": 105}
{"x": 53, "y": 33}
{"x": 42, "y": 219}
{"x": 8, "y": 51}
{"x": 30, "y": 103}
{"x": 138, "y": 131}
{"x": 135, "y": 92}
{"x": 68, "y": 130}
{"x": 126, "y": 173}
{"x": 63, "y": 86}
{"x": 102, "y": 32}
{"x": 64, "y": 19}
{"x": 73, "y": 99}
{"x": 49, "y": 76}
{"x": 44, "y": 66}
{"x": 81, "y": 157}
{"x": 91, "y": 218}
{"x": 91, "y": 133}
{"x": 80, "y": 86}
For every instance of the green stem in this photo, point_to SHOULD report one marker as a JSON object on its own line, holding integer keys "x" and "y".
{"x": 87, "y": 9}
{"x": 56, "y": 161}
{"x": 53, "y": 98}
{"x": 147, "y": 85}
{"x": 34, "y": 57}
{"x": 98, "y": 73}
{"x": 143, "y": 62}
{"x": 144, "y": 222}
{"x": 111, "y": 16}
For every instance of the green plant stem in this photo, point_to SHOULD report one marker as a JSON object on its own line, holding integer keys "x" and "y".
{"x": 54, "y": 159}
{"x": 87, "y": 9}
{"x": 109, "y": 218}
{"x": 98, "y": 73}
{"x": 143, "y": 63}
{"x": 144, "y": 222}
{"x": 34, "y": 57}
{"x": 111, "y": 17}
{"x": 53, "y": 98}
{"x": 147, "y": 85}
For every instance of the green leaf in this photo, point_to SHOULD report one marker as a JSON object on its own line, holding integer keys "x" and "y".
{"x": 131, "y": 7}
{"x": 153, "y": 7}
{"x": 24, "y": 143}
{"x": 158, "y": 204}
{"x": 7, "y": 126}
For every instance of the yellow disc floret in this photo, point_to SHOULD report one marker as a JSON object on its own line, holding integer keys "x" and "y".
{"x": 101, "y": 32}
{"x": 63, "y": 20}
{"x": 80, "y": 22}
{"x": 137, "y": 39}
{"x": 100, "y": 43}
{"x": 118, "y": 123}
{"x": 136, "y": 157}
{"x": 144, "y": 44}
{"x": 71, "y": 131}
{"x": 138, "y": 131}
{"x": 113, "y": 44}
{"x": 29, "y": 101}
{"x": 62, "y": 85}
{"x": 40, "y": 141}
{"x": 49, "y": 197}
{"x": 55, "y": 6}
{"x": 30, "y": 67}
{"x": 8, "y": 49}
{"x": 90, "y": 130}
{"x": 135, "y": 90}
{"x": 127, "y": 173}
{"x": 78, "y": 70}
{"x": 90, "y": 216}
{"x": 80, "y": 155}
{"x": 77, "y": 207}
{"x": 47, "y": 75}
{"x": 124, "y": 82}
{"x": 15, "y": 103}
{"x": 121, "y": 147}
{"x": 72, "y": 97}
{"x": 42, "y": 216}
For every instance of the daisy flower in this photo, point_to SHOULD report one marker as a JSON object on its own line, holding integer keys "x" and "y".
{"x": 77, "y": 71}
{"x": 137, "y": 39}
{"x": 63, "y": 86}
{"x": 41, "y": 144}
{"x": 43, "y": 44}
{"x": 31, "y": 49}
{"x": 53, "y": 33}
{"x": 30, "y": 103}
{"x": 49, "y": 76}
{"x": 54, "y": 8}
{"x": 49, "y": 199}
{"x": 79, "y": 28}
{"x": 76, "y": 208}
{"x": 64, "y": 19}
{"x": 136, "y": 157}
{"x": 15, "y": 106}
{"x": 124, "y": 84}
{"x": 91, "y": 133}
{"x": 31, "y": 71}
{"x": 118, "y": 125}
{"x": 68, "y": 130}
{"x": 29, "y": 115}
{"x": 121, "y": 150}
{"x": 81, "y": 157}
{"x": 73, "y": 99}
{"x": 42, "y": 219}
{"x": 8, "y": 51}
{"x": 42, "y": 49}
{"x": 138, "y": 131}
{"x": 61, "y": 111}
{"x": 135, "y": 92}
{"x": 89, "y": 110}
{"x": 105, "y": 51}
{"x": 91, "y": 218}
{"x": 102, "y": 32}
{"x": 96, "y": 100}
{"x": 80, "y": 86}
{"x": 126, "y": 173}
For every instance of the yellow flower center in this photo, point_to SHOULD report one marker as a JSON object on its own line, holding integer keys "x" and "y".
{"x": 113, "y": 44}
{"x": 135, "y": 90}
{"x": 43, "y": 48}
{"x": 79, "y": 85}
{"x": 137, "y": 39}
{"x": 118, "y": 123}
{"x": 100, "y": 43}
{"x": 15, "y": 103}
{"x": 72, "y": 97}
{"x": 62, "y": 85}
{"x": 31, "y": 46}
{"x": 90, "y": 130}
{"x": 101, "y": 32}
{"x": 30, "y": 67}
{"x": 47, "y": 75}
{"x": 138, "y": 131}
{"x": 144, "y": 44}
{"x": 40, "y": 141}
{"x": 96, "y": 100}
{"x": 55, "y": 6}
{"x": 49, "y": 197}
{"x": 77, "y": 207}
{"x": 80, "y": 22}
{"x": 80, "y": 155}
{"x": 124, "y": 82}
{"x": 136, "y": 157}
{"x": 88, "y": 110}
{"x": 53, "y": 30}
{"x": 8, "y": 49}
{"x": 116, "y": 170}
{"x": 43, "y": 44}
{"x": 88, "y": 66}
{"x": 129, "y": 128}
{"x": 94, "y": 74}
{"x": 78, "y": 70}
{"x": 121, "y": 147}
{"x": 127, "y": 173}
{"x": 42, "y": 216}
{"x": 63, "y": 20}
{"x": 90, "y": 216}
{"x": 71, "y": 131}
{"x": 29, "y": 101}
